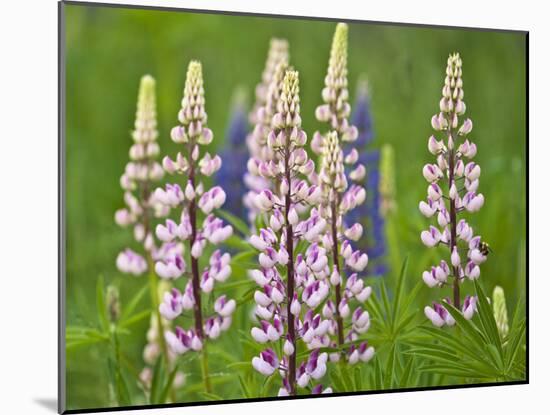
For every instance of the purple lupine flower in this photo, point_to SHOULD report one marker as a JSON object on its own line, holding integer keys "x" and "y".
{"x": 261, "y": 116}
{"x": 452, "y": 189}
{"x": 370, "y": 213}
{"x": 291, "y": 284}
{"x": 339, "y": 198}
{"x": 189, "y": 196}
{"x": 231, "y": 175}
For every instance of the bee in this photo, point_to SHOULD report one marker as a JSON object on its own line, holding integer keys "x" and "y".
{"x": 484, "y": 248}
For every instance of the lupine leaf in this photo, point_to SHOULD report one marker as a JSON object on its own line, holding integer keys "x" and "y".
{"x": 156, "y": 383}
{"x": 132, "y": 304}
{"x": 168, "y": 386}
{"x": 514, "y": 344}
{"x": 244, "y": 388}
{"x": 487, "y": 318}
{"x": 451, "y": 341}
{"x": 399, "y": 288}
{"x": 390, "y": 367}
{"x": 211, "y": 396}
{"x": 135, "y": 318}
{"x": 336, "y": 380}
{"x": 386, "y": 302}
{"x": 357, "y": 378}
{"x": 406, "y": 373}
{"x": 468, "y": 327}
{"x": 236, "y": 222}
{"x": 100, "y": 304}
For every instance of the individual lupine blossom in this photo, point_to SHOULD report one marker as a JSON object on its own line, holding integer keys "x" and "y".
{"x": 261, "y": 116}
{"x": 370, "y": 214}
{"x": 231, "y": 175}
{"x": 140, "y": 174}
{"x": 191, "y": 198}
{"x": 453, "y": 181}
{"x": 338, "y": 198}
{"x": 292, "y": 284}
{"x": 500, "y": 312}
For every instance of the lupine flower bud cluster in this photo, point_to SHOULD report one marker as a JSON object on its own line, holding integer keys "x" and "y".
{"x": 292, "y": 284}
{"x": 453, "y": 181}
{"x": 140, "y": 174}
{"x": 193, "y": 201}
{"x": 338, "y": 198}
{"x": 267, "y": 96}
{"x": 500, "y": 311}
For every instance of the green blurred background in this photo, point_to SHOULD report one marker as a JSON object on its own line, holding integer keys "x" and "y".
{"x": 109, "y": 49}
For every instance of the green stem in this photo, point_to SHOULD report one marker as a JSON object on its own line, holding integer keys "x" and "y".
{"x": 153, "y": 288}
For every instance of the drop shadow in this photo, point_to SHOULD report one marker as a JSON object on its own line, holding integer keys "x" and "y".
{"x": 48, "y": 403}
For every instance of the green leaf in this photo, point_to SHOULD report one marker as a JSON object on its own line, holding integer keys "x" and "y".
{"x": 390, "y": 367}
{"x": 119, "y": 383}
{"x": 100, "y": 304}
{"x": 78, "y": 343}
{"x": 406, "y": 373}
{"x": 468, "y": 327}
{"x": 132, "y": 304}
{"x": 211, "y": 396}
{"x": 399, "y": 288}
{"x": 236, "y": 222}
{"x": 135, "y": 318}
{"x": 168, "y": 386}
{"x": 386, "y": 303}
{"x": 450, "y": 341}
{"x": 336, "y": 380}
{"x": 487, "y": 318}
{"x": 244, "y": 388}
{"x": 156, "y": 383}
{"x": 514, "y": 345}
{"x": 357, "y": 378}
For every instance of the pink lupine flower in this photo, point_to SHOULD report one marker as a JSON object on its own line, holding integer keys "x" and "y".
{"x": 187, "y": 197}
{"x": 290, "y": 283}
{"x": 140, "y": 173}
{"x": 339, "y": 181}
{"x": 131, "y": 262}
{"x": 460, "y": 178}
{"x": 267, "y": 363}
{"x": 261, "y": 116}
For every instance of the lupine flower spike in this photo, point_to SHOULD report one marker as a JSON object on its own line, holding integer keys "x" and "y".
{"x": 197, "y": 227}
{"x": 371, "y": 214}
{"x": 292, "y": 284}
{"x": 337, "y": 200}
{"x": 140, "y": 175}
{"x": 267, "y": 95}
{"x": 452, "y": 189}
{"x": 142, "y": 208}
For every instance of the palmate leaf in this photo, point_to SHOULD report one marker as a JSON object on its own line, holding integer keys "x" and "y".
{"x": 487, "y": 318}
{"x": 390, "y": 368}
{"x": 514, "y": 344}
{"x": 406, "y": 375}
{"x": 133, "y": 303}
{"x": 100, "y": 304}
